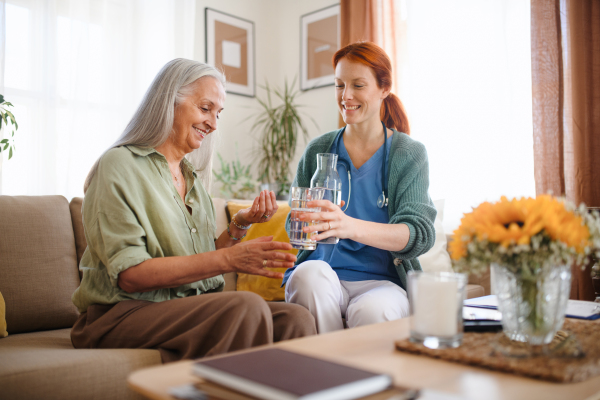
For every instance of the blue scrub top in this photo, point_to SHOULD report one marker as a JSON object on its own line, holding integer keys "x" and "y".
{"x": 353, "y": 261}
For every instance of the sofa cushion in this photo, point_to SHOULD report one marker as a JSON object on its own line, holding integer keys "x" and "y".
{"x": 483, "y": 280}
{"x": 268, "y": 288}
{"x": 3, "y": 332}
{"x": 38, "y": 263}
{"x": 222, "y": 221}
{"x": 44, "y": 365}
{"x": 77, "y": 221}
{"x": 220, "y": 214}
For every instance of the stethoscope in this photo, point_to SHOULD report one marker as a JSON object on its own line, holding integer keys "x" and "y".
{"x": 382, "y": 200}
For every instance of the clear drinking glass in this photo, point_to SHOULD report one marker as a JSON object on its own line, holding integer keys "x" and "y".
{"x": 327, "y": 177}
{"x": 300, "y": 196}
{"x": 436, "y": 303}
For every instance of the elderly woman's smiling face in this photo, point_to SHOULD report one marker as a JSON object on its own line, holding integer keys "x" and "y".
{"x": 196, "y": 116}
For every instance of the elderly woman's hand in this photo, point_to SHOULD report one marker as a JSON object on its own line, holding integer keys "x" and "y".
{"x": 262, "y": 209}
{"x": 253, "y": 256}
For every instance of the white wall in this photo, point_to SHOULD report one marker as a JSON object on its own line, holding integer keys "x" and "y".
{"x": 277, "y": 56}
{"x": 320, "y": 102}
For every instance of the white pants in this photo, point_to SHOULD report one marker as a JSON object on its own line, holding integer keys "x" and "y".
{"x": 315, "y": 285}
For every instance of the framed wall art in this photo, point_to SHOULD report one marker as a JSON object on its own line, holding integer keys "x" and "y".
{"x": 230, "y": 48}
{"x": 319, "y": 40}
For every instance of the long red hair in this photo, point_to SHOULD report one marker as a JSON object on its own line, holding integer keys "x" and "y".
{"x": 392, "y": 111}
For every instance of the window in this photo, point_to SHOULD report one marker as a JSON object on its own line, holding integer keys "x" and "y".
{"x": 76, "y": 71}
{"x": 466, "y": 84}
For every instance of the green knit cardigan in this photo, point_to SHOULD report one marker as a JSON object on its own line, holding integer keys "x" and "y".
{"x": 409, "y": 201}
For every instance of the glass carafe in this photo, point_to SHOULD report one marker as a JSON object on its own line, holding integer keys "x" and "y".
{"x": 327, "y": 177}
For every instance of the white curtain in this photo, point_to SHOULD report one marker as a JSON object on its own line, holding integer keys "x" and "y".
{"x": 75, "y": 71}
{"x": 464, "y": 75}
{"x": 2, "y": 61}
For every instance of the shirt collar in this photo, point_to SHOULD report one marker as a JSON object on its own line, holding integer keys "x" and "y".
{"x": 190, "y": 166}
{"x": 141, "y": 151}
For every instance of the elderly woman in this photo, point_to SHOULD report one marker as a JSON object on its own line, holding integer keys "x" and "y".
{"x": 152, "y": 271}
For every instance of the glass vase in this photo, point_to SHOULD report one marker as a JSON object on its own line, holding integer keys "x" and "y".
{"x": 327, "y": 177}
{"x": 533, "y": 307}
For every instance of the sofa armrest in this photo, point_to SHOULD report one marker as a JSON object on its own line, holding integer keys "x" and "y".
{"x": 482, "y": 280}
{"x": 473, "y": 291}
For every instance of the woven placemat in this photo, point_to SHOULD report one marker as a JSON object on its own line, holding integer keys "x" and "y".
{"x": 576, "y": 361}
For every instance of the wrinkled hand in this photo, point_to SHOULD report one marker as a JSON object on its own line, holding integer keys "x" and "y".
{"x": 332, "y": 222}
{"x": 248, "y": 257}
{"x": 262, "y": 209}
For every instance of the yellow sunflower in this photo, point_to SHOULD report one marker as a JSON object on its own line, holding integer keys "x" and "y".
{"x": 515, "y": 221}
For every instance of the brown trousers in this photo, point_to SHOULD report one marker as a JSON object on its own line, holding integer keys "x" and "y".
{"x": 192, "y": 327}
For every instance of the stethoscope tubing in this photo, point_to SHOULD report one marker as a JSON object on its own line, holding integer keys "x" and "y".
{"x": 384, "y": 184}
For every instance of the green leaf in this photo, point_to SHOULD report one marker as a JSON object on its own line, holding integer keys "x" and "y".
{"x": 6, "y": 146}
{"x": 12, "y": 119}
{"x": 1, "y": 99}
{"x": 4, "y": 141}
{"x": 10, "y": 153}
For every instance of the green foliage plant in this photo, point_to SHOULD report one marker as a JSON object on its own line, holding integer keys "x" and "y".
{"x": 6, "y": 118}
{"x": 236, "y": 179}
{"x": 280, "y": 126}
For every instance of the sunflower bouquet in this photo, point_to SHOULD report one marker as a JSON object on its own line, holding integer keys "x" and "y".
{"x": 525, "y": 234}
{"x": 530, "y": 245}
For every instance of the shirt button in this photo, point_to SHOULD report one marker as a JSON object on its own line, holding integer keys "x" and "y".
{"x": 194, "y": 230}
{"x": 191, "y": 201}
{"x": 397, "y": 262}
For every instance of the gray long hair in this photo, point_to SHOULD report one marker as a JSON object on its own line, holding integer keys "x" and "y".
{"x": 152, "y": 123}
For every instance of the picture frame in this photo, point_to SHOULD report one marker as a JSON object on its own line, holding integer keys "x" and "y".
{"x": 319, "y": 40}
{"x": 230, "y": 48}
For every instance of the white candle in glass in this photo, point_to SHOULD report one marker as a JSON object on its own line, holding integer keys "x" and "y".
{"x": 435, "y": 308}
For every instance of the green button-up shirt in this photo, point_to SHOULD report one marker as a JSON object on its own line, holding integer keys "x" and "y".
{"x": 131, "y": 213}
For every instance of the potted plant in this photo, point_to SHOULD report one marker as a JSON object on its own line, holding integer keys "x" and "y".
{"x": 530, "y": 245}
{"x": 7, "y": 117}
{"x": 236, "y": 180}
{"x": 280, "y": 126}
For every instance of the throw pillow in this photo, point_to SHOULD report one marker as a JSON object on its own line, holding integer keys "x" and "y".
{"x": 437, "y": 258}
{"x": 268, "y": 288}
{"x": 3, "y": 332}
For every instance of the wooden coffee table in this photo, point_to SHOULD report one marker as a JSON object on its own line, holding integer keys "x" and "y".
{"x": 372, "y": 347}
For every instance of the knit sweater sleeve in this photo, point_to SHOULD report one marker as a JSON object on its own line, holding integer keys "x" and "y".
{"x": 409, "y": 199}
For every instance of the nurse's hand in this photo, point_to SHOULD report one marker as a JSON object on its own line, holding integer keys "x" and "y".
{"x": 331, "y": 221}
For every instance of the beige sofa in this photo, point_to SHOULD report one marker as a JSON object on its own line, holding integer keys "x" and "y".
{"x": 41, "y": 243}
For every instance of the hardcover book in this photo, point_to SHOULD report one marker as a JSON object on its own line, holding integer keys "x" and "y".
{"x": 276, "y": 374}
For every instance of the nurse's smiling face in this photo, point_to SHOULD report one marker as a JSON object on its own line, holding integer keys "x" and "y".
{"x": 358, "y": 96}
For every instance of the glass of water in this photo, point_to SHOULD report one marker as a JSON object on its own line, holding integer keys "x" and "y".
{"x": 300, "y": 196}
